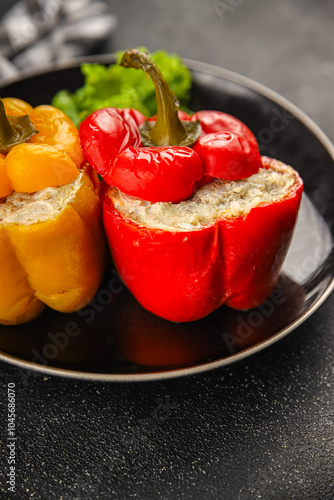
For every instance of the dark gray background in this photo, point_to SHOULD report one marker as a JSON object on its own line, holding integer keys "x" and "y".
{"x": 287, "y": 45}
{"x": 259, "y": 429}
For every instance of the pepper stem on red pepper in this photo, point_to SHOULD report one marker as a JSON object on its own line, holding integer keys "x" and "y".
{"x": 14, "y": 130}
{"x": 168, "y": 129}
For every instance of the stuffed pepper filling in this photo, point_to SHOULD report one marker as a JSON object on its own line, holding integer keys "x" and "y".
{"x": 31, "y": 208}
{"x": 220, "y": 198}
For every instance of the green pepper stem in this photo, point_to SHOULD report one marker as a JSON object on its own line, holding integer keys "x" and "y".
{"x": 14, "y": 130}
{"x": 7, "y": 132}
{"x": 168, "y": 129}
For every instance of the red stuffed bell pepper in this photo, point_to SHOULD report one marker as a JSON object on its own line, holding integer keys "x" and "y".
{"x": 194, "y": 216}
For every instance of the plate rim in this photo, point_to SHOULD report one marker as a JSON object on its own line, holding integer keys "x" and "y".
{"x": 211, "y": 365}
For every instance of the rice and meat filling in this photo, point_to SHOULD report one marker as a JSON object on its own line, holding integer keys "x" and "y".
{"x": 29, "y": 208}
{"x": 220, "y": 198}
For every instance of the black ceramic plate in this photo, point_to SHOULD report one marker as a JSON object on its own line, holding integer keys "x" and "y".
{"x": 114, "y": 338}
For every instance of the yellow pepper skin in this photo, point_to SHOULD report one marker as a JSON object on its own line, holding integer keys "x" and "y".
{"x": 57, "y": 130}
{"x": 18, "y": 303}
{"x": 58, "y": 262}
{"x": 16, "y": 107}
{"x": 33, "y": 167}
{"x": 53, "y": 255}
{"x": 5, "y": 185}
{"x": 47, "y": 154}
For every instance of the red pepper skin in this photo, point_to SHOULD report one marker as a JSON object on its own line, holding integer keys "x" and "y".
{"x": 149, "y": 173}
{"x": 205, "y": 180}
{"x": 217, "y": 121}
{"x": 171, "y": 274}
{"x": 109, "y": 138}
{"x": 227, "y": 147}
{"x": 110, "y": 142}
{"x": 255, "y": 247}
{"x": 228, "y": 155}
{"x": 185, "y": 275}
{"x": 106, "y": 133}
{"x": 131, "y": 113}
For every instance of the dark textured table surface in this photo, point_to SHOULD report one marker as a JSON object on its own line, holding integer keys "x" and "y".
{"x": 261, "y": 428}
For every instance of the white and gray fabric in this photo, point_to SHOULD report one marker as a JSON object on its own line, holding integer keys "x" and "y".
{"x": 34, "y": 33}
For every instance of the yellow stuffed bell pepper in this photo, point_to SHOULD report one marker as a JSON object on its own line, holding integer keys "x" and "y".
{"x": 52, "y": 247}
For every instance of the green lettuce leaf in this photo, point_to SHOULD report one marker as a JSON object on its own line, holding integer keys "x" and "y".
{"x": 120, "y": 87}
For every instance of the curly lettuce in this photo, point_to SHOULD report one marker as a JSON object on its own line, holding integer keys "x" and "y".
{"x": 119, "y": 87}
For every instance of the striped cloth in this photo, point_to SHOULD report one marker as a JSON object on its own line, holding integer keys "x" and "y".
{"x": 34, "y": 33}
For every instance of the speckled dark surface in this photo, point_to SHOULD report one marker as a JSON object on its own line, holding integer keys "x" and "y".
{"x": 261, "y": 428}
